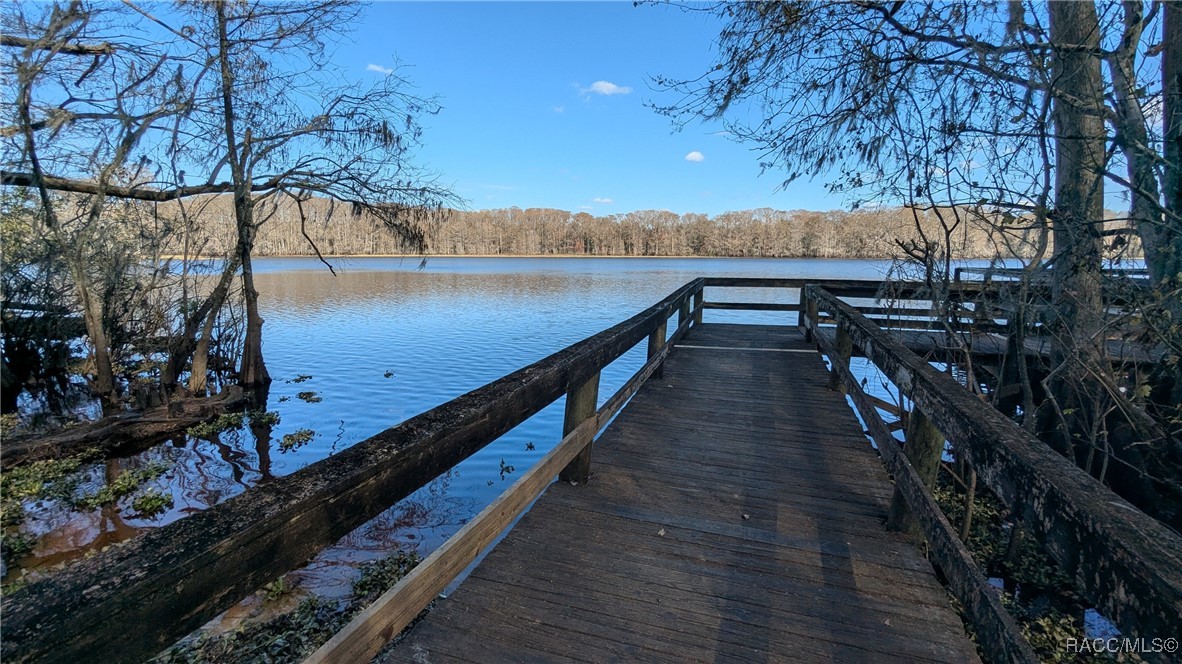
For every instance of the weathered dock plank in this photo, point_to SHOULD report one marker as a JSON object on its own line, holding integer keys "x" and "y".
{"x": 734, "y": 513}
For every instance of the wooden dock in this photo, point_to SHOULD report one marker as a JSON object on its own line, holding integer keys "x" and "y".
{"x": 735, "y": 513}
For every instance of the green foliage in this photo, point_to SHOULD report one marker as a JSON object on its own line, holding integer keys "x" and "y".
{"x": 59, "y": 480}
{"x": 263, "y": 418}
{"x": 295, "y": 440}
{"x": 380, "y": 575}
{"x": 309, "y": 397}
{"x": 300, "y": 378}
{"x": 1048, "y": 631}
{"x": 276, "y": 589}
{"x": 151, "y": 503}
{"x": 10, "y": 424}
{"x": 223, "y": 422}
{"x": 16, "y": 544}
{"x": 51, "y": 478}
{"x": 124, "y": 484}
{"x": 289, "y": 637}
{"x": 1045, "y": 606}
{"x": 292, "y": 636}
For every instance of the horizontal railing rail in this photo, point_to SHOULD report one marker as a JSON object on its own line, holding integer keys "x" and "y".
{"x": 388, "y": 615}
{"x": 131, "y": 601}
{"x": 1125, "y": 562}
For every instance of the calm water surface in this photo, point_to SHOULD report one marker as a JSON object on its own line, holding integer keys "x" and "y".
{"x": 384, "y": 340}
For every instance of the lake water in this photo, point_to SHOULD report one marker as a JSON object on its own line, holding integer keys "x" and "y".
{"x": 384, "y": 340}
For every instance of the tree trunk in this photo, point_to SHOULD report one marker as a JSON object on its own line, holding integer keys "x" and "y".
{"x": 189, "y": 344}
{"x": 103, "y": 384}
{"x": 1168, "y": 272}
{"x": 1078, "y": 317}
{"x": 1132, "y": 137}
{"x": 252, "y": 371}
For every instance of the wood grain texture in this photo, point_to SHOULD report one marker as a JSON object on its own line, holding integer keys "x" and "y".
{"x": 734, "y": 513}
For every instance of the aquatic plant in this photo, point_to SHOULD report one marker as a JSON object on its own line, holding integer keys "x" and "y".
{"x": 124, "y": 484}
{"x": 223, "y": 422}
{"x": 294, "y": 635}
{"x": 263, "y": 418}
{"x": 309, "y": 397}
{"x": 378, "y": 576}
{"x": 295, "y": 440}
{"x": 151, "y": 503}
{"x": 59, "y": 480}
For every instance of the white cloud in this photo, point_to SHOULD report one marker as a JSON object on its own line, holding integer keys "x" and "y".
{"x": 602, "y": 200}
{"x": 606, "y": 88}
{"x": 379, "y": 69}
{"x": 559, "y": 109}
{"x": 586, "y": 207}
{"x": 695, "y": 156}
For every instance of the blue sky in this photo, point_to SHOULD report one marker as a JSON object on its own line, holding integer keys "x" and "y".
{"x": 544, "y": 106}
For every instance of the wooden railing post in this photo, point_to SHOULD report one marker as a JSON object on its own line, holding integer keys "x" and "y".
{"x": 656, "y": 341}
{"x": 698, "y": 297}
{"x": 683, "y": 311}
{"x": 924, "y": 448}
{"x": 845, "y": 348}
{"x": 809, "y": 313}
{"x": 580, "y": 405}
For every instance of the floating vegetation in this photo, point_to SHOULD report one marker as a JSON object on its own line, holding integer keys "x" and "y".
{"x": 529, "y": 447}
{"x": 151, "y": 503}
{"x": 292, "y": 636}
{"x": 289, "y": 637}
{"x": 389, "y": 373}
{"x": 263, "y": 418}
{"x": 506, "y": 469}
{"x": 124, "y": 484}
{"x": 284, "y": 398}
{"x": 276, "y": 589}
{"x": 59, "y": 480}
{"x": 379, "y": 576}
{"x": 295, "y": 440}
{"x": 302, "y": 378}
{"x": 309, "y": 397}
{"x": 51, "y": 479}
{"x": 224, "y": 422}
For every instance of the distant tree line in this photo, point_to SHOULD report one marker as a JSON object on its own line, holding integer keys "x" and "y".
{"x": 763, "y": 232}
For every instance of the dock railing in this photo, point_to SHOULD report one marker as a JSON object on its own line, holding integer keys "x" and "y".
{"x": 130, "y": 602}
{"x": 1122, "y": 560}
{"x": 133, "y": 600}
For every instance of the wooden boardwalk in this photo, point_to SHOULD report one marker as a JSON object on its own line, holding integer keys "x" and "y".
{"x": 735, "y": 513}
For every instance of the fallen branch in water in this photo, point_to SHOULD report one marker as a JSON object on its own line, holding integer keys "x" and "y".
{"x": 122, "y": 433}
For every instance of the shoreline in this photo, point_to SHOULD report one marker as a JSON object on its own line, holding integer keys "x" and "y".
{"x": 516, "y": 256}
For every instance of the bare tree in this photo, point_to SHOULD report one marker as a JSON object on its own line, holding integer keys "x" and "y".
{"x": 82, "y": 106}
{"x": 1018, "y": 111}
{"x": 257, "y": 112}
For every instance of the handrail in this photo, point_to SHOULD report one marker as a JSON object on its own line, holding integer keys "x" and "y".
{"x": 127, "y": 603}
{"x": 390, "y": 613}
{"x": 997, "y": 633}
{"x": 1126, "y": 562}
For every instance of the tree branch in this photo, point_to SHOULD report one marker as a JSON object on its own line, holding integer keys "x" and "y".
{"x": 101, "y": 48}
